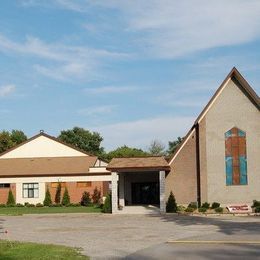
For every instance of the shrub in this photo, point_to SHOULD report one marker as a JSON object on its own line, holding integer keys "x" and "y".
{"x": 29, "y": 205}
{"x": 85, "y": 200}
{"x": 96, "y": 196}
{"x": 73, "y": 205}
{"x": 193, "y": 205}
{"x": 19, "y": 205}
{"x": 107, "y": 208}
{"x": 215, "y": 205}
{"x": 256, "y": 203}
{"x": 66, "y": 198}
{"x": 219, "y": 210}
{"x": 257, "y": 209}
{"x": 180, "y": 208}
{"x": 2, "y": 205}
{"x": 202, "y": 210}
{"x": 189, "y": 209}
{"x": 58, "y": 194}
{"x": 171, "y": 205}
{"x": 39, "y": 205}
{"x": 205, "y": 205}
{"x": 55, "y": 205}
{"x": 47, "y": 201}
{"x": 10, "y": 200}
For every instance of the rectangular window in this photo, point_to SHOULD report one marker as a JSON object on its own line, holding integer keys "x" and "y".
{"x": 30, "y": 190}
{"x": 55, "y": 184}
{"x": 4, "y": 185}
{"x": 84, "y": 184}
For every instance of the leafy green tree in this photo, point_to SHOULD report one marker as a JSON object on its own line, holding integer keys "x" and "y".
{"x": 83, "y": 139}
{"x": 174, "y": 145}
{"x": 85, "y": 200}
{"x": 5, "y": 141}
{"x": 10, "y": 199}
{"x": 171, "y": 205}
{"x": 58, "y": 194}
{"x": 107, "y": 208}
{"x": 156, "y": 148}
{"x": 66, "y": 198}
{"x": 125, "y": 151}
{"x": 18, "y": 136}
{"x": 47, "y": 201}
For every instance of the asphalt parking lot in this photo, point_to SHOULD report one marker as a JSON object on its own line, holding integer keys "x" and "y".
{"x": 141, "y": 236}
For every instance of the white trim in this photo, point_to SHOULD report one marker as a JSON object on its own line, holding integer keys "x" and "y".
{"x": 187, "y": 138}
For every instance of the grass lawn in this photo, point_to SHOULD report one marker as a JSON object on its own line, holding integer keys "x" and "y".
{"x": 33, "y": 251}
{"x": 47, "y": 210}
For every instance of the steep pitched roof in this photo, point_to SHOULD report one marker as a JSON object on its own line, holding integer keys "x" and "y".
{"x": 241, "y": 83}
{"x": 138, "y": 163}
{"x": 46, "y": 166}
{"x": 47, "y": 136}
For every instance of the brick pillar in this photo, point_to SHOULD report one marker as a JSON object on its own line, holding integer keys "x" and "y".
{"x": 162, "y": 191}
{"x": 114, "y": 192}
{"x": 121, "y": 189}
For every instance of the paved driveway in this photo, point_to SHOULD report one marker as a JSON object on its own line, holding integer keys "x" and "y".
{"x": 104, "y": 236}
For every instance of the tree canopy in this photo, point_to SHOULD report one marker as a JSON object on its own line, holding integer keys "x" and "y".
{"x": 156, "y": 148}
{"x": 83, "y": 139}
{"x": 173, "y": 145}
{"x": 11, "y": 139}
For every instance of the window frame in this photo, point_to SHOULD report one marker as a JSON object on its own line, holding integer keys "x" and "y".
{"x": 31, "y": 190}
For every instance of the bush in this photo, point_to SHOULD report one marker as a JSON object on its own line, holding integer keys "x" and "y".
{"x": 58, "y": 194}
{"x": 215, "y": 205}
{"x": 171, "y": 205}
{"x": 2, "y": 205}
{"x": 107, "y": 208}
{"x": 257, "y": 209}
{"x": 219, "y": 210}
{"x": 30, "y": 205}
{"x": 180, "y": 208}
{"x": 39, "y": 205}
{"x": 96, "y": 196}
{"x": 193, "y": 205}
{"x": 55, "y": 205}
{"x": 202, "y": 210}
{"x": 73, "y": 205}
{"x": 47, "y": 201}
{"x": 256, "y": 203}
{"x": 189, "y": 209}
{"x": 19, "y": 205}
{"x": 205, "y": 205}
{"x": 10, "y": 200}
{"x": 85, "y": 200}
{"x": 66, "y": 198}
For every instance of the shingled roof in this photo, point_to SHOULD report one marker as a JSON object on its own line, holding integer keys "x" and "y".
{"x": 138, "y": 163}
{"x": 46, "y": 166}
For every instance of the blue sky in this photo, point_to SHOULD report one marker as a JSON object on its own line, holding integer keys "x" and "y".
{"x": 132, "y": 70}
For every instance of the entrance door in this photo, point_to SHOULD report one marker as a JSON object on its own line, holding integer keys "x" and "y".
{"x": 145, "y": 193}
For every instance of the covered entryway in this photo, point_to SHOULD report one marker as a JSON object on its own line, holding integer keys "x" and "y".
{"x": 138, "y": 182}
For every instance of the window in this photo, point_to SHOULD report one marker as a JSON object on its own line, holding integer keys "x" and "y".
{"x": 4, "y": 185}
{"x": 30, "y": 190}
{"x": 83, "y": 184}
{"x": 235, "y": 156}
{"x": 55, "y": 184}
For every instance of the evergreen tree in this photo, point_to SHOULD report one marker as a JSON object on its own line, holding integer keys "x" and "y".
{"x": 10, "y": 200}
{"x": 58, "y": 194}
{"x": 171, "y": 205}
{"x": 107, "y": 208}
{"x": 85, "y": 200}
{"x": 47, "y": 201}
{"x": 96, "y": 196}
{"x": 66, "y": 198}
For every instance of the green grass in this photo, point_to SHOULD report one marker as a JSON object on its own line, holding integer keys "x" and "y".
{"x": 32, "y": 251}
{"x": 47, "y": 210}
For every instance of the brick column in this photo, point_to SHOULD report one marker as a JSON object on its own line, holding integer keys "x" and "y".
{"x": 162, "y": 191}
{"x": 114, "y": 192}
{"x": 121, "y": 189}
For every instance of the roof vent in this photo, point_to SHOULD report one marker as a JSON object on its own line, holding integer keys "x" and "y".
{"x": 41, "y": 131}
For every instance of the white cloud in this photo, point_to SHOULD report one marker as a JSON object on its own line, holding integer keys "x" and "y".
{"x": 140, "y": 133}
{"x": 7, "y": 90}
{"x": 97, "y": 110}
{"x": 109, "y": 90}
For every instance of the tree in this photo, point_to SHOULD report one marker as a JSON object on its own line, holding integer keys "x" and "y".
{"x": 47, "y": 201}
{"x": 83, "y": 139}
{"x": 66, "y": 198}
{"x": 85, "y": 200}
{"x": 10, "y": 199}
{"x": 9, "y": 140}
{"x": 171, "y": 205}
{"x": 96, "y": 196}
{"x": 156, "y": 148}
{"x": 125, "y": 151}
{"x": 174, "y": 145}
{"x": 107, "y": 208}
{"x": 58, "y": 194}
{"x": 18, "y": 136}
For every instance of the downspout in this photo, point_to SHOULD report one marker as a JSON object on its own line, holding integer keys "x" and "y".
{"x": 198, "y": 163}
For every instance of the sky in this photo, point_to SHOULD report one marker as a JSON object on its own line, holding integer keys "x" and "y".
{"x": 132, "y": 70}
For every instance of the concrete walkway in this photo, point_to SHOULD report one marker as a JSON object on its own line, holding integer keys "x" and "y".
{"x": 105, "y": 236}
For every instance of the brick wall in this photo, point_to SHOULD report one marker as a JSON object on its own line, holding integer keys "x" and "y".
{"x": 4, "y": 193}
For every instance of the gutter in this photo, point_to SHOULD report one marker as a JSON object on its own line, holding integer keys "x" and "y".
{"x": 198, "y": 164}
